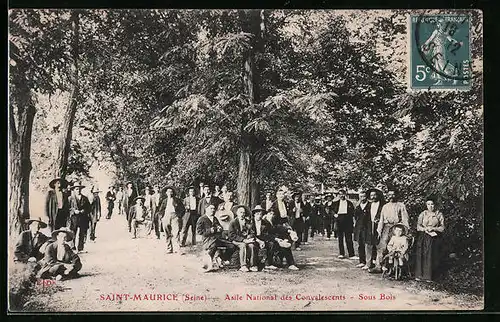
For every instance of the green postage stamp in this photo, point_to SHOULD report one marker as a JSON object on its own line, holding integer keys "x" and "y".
{"x": 440, "y": 55}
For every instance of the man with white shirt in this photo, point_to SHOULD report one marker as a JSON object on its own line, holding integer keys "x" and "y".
{"x": 360, "y": 212}
{"x": 171, "y": 212}
{"x": 393, "y": 212}
{"x": 190, "y": 217}
{"x": 297, "y": 218}
{"x": 268, "y": 202}
{"x": 369, "y": 226}
{"x": 343, "y": 210}
{"x": 137, "y": 215}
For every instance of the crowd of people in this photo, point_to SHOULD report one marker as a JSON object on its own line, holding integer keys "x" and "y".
{"x": 260, "y": 238}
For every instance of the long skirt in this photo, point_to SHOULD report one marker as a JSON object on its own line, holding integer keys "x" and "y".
{"x": 427, "y": 256}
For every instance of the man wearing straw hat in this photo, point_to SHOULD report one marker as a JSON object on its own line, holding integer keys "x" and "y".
{"x": 59, "y": 260}
{"x": 79, "y": 215}
{"x": 57, "y": 204}
{"x": 29, "y": 244}
{"x": 95, "y": 212}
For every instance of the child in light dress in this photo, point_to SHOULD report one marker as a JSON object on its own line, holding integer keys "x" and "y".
{"x": 398, "y": 245}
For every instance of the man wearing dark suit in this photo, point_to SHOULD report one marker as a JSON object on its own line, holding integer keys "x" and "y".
{"x": 328, "y": 214}
{"x": 29, "y": 243}
{"x": 95, "y": 212}
{"x": 267, "y": 203}
{"x": 241, "y": 234}
{"x": 208, "y": 199}
{"x": 282, "y": 240}
{"x": 280, "y": 210}
{"x": 359, "y": 234}
{"x": 370, "y": 223}
{"x": 79, "y": 215}
{"x": 297, "y": 218}
{"x": 110, "y": 197}
{"x": 308, "y": 209}
{"x": 190, "y": 216}
{"x": 317, "y": 217}
{"x": 170, "y": 213}
{"x": 343, "y": 210}
{"x": 211, "y": 231}
{"x": 263, "y": 234}
{"x": 57, "y": 204}
{"x": 129, "y": 195}
{"x": 59, "y": 260}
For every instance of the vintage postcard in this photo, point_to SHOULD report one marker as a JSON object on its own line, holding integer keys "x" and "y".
{"x": 245, "y": 160}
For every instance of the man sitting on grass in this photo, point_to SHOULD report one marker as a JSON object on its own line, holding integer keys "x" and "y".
{"x": 31, "y": 243}
{"x": 60, "y": 261}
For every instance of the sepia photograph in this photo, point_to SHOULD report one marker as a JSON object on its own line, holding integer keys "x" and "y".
{"x": 271, "y": 160}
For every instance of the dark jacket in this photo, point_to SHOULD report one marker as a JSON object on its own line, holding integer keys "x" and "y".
{"x": 277, "y": 219}
{"x": 82, "y": 219}
{"x": 95, "y": 209}
{"x": 210, "y": 231}
{"x": 266, "y": 231}
{"x": 133, "y": 213}
{"x": 345, "y": 223}
{"x": 294, "y": 221}
{"x": 128, "y": 201}
{"x": 110, "y": 197}
{"x": 263, "y": 204}
{"x": 26, "y": 247}
{"x": 51, "y": 208}
{"x": 178, "y": 207}
{"x": 202, "y": 204}
{"x": 238, "y": 233}
{"x": 359, "y": 215}
{"x": 369, "y": 227}
{"x": 50, "y": 258}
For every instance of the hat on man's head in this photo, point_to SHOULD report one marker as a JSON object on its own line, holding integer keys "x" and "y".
{"x": 191, "y": 187}
{"x": 139, "y": 197}
{"x": 39, "y": 220}
{"x": 257, "y": 208}
{"x": 95, "y": 190}
{"x": 69, "y": 233}
{"x": 63, "y": 182}
{"x": 169, "y": 187}
{"x": 296, "y": 193}
{"x": 77, "y": 185}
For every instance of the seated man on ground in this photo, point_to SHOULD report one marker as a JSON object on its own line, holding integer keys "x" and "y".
{"x": 60, "y": 260}
{"x": 283, "y": 236}
{"x": 209, "y": 228}
{"x": 263, "y": 229}
{"x": 242, "y": 235}
{"x": 31, "y": 244}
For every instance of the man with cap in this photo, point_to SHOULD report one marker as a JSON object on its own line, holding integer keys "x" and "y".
{"x": 170, "y": 213}
{"x": 190, "y": 216}
{"x": 369, "y": 226}
{"x": 95, "y": 211}
{"x": 328, "y": 214}
{"x": 393, "y": 212}
{"x": 297, "y": 218}
{"x": 343, "y": 210}
{"x": 360, "y": 211}
{"x": 242, "y": 235}
{"x": 225, "y": 214}
{"x": 138, "y": 213}
{"x": 207, "y": 199}
{"x": 29, "y": 244}
{"x": 211, "y": 231}
{"x": 79, "y": 215}
{"x": 57, "y": 204}
{"x": 110, "y": 197}
{"x": 129, "y": 196}
{"x": 59, "y": 260}
{"x": 263, "y": 233}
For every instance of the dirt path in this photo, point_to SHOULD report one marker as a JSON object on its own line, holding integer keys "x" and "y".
{"x": 117, "y": 264}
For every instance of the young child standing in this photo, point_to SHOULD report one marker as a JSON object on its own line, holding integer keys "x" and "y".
{"x": 398, "y": 244}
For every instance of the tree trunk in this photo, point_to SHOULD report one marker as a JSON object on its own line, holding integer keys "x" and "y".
{"x": 69, "y": 117}
{"x": 20, "y": 133}
{"x": 244, "y": 175}
{"x": 255, "y": 195}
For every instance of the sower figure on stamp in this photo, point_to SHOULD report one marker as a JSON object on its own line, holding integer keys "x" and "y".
{"x": 59, "y": 260}
{"x": 393, "y": 212}
{"x": 57, "y": 204}
{"x": 31, "y": 244}
{"x": 79, "y": 216}
{"x": 95, "y": 212}
{"x": 360, "y": 212}
{"x": 171, "y": 212}
{"x": 110, "y": 197}
{"x": 343, "y": 211}
{"x": 211, "y": 231}
{"x": 190, "y": 216}
{"x": 242, "y": 235}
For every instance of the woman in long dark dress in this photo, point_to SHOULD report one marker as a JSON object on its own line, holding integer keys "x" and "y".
{"x": 430, "y": 226}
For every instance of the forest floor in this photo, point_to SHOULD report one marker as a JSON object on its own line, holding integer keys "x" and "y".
{"x": 117, "y": 264}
